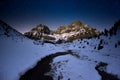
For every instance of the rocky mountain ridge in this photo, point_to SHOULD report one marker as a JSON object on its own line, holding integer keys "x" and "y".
{"x": 76, "y": 30}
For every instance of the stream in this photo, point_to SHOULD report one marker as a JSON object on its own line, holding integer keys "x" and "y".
{"x": 42, "y": 67}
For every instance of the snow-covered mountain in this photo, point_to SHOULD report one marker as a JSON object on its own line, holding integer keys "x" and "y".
{"x": 95, "y": 58}
{"x": 76, "y": 30}
{"x": 41, "y": 31}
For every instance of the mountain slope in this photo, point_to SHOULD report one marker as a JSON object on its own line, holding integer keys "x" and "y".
{"x": 19, "y": 53}
{"x": 6, "y": 30}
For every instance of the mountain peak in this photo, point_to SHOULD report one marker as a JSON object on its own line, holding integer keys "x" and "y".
{"x": 38, "y": 32}
{"x": 77, "y": 23}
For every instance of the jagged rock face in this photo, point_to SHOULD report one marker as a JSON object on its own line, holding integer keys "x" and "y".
{"x": 38, "y": 32}
{"x": 76, "y": 30}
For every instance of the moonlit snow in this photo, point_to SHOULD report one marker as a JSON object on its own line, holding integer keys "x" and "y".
{"x": 19, "y": 54}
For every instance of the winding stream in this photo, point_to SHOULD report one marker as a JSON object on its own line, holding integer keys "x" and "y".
{"x": 42, "y": 67}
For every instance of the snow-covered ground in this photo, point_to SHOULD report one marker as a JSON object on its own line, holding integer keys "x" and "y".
{"x": 83, "y": 68}
{"x": 18, "y": 54}
{"x": 16, "y": 57}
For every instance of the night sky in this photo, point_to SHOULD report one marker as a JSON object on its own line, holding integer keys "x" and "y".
{"x": 26, "y": 14}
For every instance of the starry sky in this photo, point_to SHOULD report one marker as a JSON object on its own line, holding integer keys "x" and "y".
{"x": 26, "y": 14}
